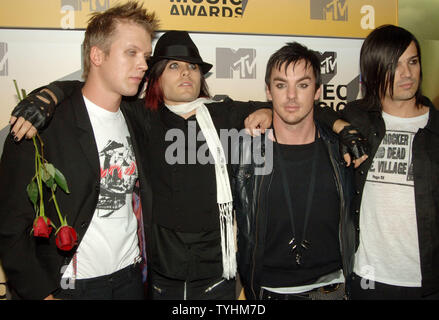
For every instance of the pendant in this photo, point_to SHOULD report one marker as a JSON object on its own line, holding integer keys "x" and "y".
{"x": 304, "y": 245}
{"x": 298, "y": 259}
{"x": 294, "y": 248}
{"x": 293, "y": 244}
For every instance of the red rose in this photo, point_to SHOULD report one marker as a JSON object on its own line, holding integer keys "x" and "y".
{"x": 42, "y": 227}
{"x": 66, "y": 238}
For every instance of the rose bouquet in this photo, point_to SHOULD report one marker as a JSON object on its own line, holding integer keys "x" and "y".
{"x": 46, "y": 175}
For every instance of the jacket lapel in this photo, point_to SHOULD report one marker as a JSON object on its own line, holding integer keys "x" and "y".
{"x": 85, "y": 133}
{"x": 433, "y": 120}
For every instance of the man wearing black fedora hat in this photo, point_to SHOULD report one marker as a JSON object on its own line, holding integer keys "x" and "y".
{"x": 178, "y": 45}
{"x": 189, "y": 224}
{"x": 191, "y": 238}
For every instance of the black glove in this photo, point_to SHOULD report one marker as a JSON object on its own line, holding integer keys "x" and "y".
{"x": 352, "y": 142}
{"x": 38, "y": 107}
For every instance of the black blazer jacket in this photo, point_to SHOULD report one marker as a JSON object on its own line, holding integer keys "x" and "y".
{"x": 33, "y": 266}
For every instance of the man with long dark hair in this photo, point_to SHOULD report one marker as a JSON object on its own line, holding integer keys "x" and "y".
{"x": 396, "y": 203}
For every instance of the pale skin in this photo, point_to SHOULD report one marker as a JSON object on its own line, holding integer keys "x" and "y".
{"x": 293, "y": 91}
{"x": 403, "y": 101}
{"x": 112, "y": 74}
{"x": 407, "y": 81}
{"x": 181, "y": 83}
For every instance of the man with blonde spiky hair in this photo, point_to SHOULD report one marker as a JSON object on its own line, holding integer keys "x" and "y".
{"x": 94, "y": 142}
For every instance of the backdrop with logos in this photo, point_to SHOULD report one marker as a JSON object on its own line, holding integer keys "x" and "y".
{"x": 40, "y": 41}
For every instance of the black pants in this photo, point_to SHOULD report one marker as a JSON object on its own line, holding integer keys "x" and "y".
{"x": 364, "y": 289}
{"x": 328, "y": 292}
{"x": 125, "y": 284}
{"x": 163, "y": 288}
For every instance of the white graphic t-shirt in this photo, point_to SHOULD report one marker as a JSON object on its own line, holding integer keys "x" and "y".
{"x": 110, "y": 242}
{"x": 389, "y": 251}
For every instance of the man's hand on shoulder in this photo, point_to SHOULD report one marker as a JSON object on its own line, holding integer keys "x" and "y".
{"x": 352, "y": 144}
{"x": 32, "y": 113}
{"x": 258, "y": 121}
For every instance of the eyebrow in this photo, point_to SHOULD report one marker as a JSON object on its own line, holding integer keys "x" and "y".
{"x": 412, "y": 57}
{"x": 298, "y": 80}
{"x": 137, "y": 48}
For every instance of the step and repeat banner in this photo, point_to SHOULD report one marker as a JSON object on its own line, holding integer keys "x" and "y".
{"x": 333, "y": 18}
{"x": 40, "y": 41}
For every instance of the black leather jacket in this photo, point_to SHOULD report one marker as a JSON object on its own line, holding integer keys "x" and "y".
{"x": 370, "y": 123}
{"x": 251, "y": 217}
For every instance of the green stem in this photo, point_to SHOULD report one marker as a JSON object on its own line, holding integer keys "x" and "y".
{"x": 39, "y": 182}
{"x": 61, "y": 219}
{"x": 41, "y": 163}
{"x": 41, "y": 144}
{"x": 18, "y": 91}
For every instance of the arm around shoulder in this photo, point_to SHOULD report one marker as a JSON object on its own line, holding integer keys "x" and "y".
{"x": 35, "y": 111}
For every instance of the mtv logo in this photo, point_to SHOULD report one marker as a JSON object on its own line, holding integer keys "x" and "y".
{"x": 353, "y": 89}
{"x": 95, "y": 5}
{"x": 75, "y": 4}
{"x": 241, "y": 62}
{"x": 336, "y": 10}
{"x": 244, "y": 5}
{"x": 4, "y": 68}
{"x": 99, "y": 5}
{"x": 328, "y": 65}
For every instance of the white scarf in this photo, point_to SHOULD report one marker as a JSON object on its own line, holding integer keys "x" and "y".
{"x": 224, "y": 193}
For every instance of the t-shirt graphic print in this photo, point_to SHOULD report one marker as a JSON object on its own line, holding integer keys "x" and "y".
{"x": 118, "y": 175}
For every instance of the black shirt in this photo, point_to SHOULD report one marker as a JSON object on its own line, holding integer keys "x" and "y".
{"x": 323, "y": 256}
{"x": 184, "y": 192}
{"x": 185, "y": 240}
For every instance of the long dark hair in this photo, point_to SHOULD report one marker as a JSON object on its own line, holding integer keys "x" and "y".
{"x": 379, "y": 58}
{"x": 154, "y": 93}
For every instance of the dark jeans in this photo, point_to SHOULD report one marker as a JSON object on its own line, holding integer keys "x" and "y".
{"x": 364, "y": 289}
{"x": 162, "y": 288}
{"x": 125, "y": 284}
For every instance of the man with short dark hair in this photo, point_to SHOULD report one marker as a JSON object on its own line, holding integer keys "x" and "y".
{"x": 295, "y": 239}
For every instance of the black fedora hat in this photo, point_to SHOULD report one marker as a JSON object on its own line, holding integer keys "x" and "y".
{"x": 177, "y": 45}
